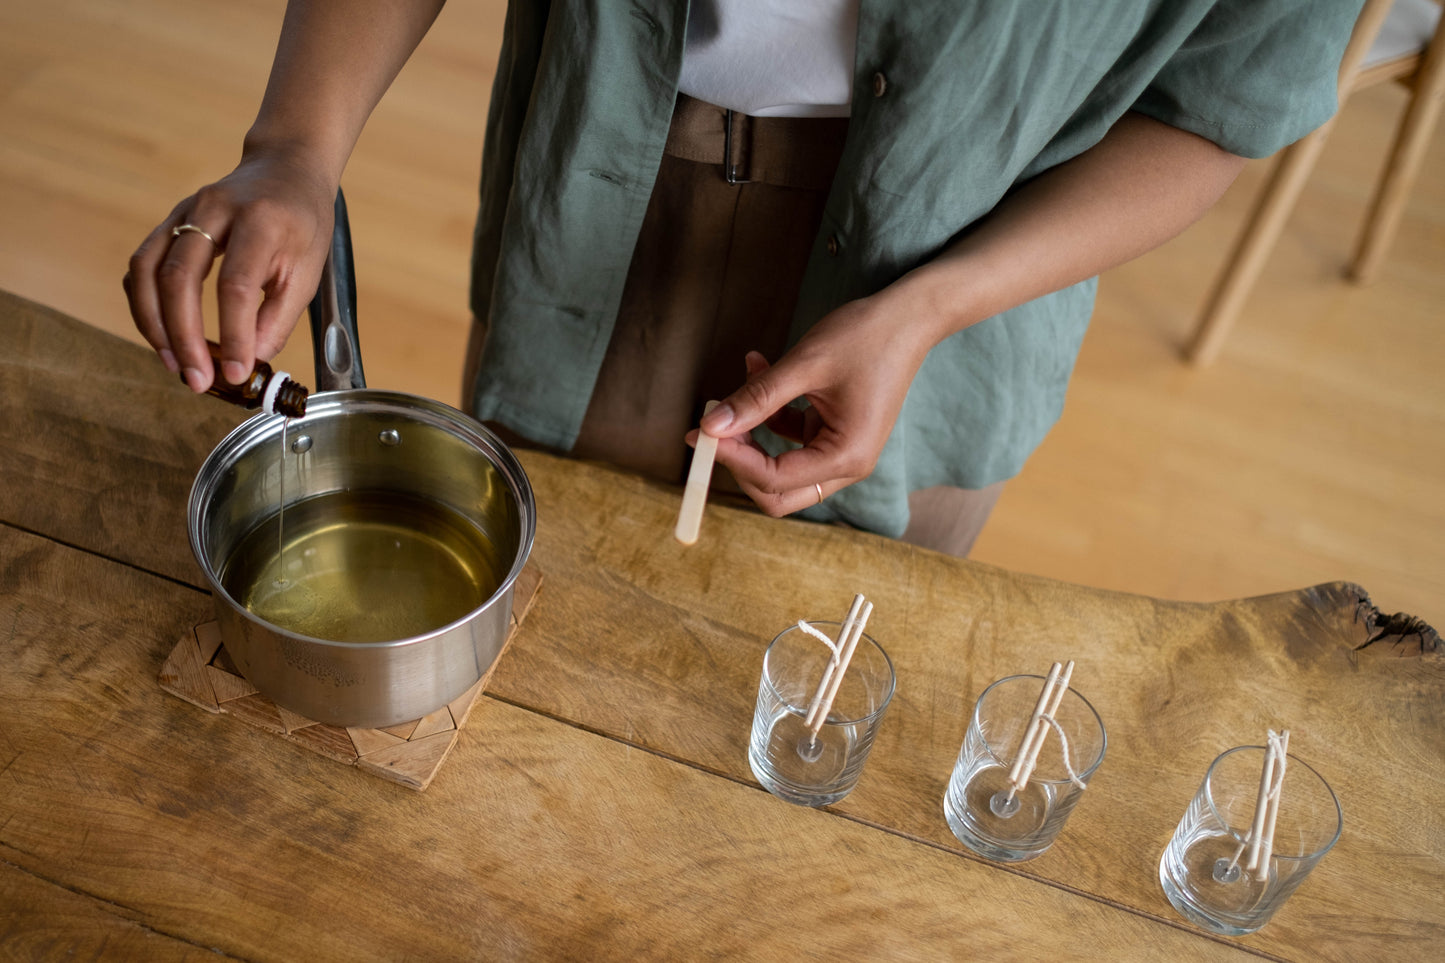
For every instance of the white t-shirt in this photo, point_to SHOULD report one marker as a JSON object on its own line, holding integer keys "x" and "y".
{"x": 784, "y": 58}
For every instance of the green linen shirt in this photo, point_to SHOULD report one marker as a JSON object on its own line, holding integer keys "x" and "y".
{"x": 954, "y": 104}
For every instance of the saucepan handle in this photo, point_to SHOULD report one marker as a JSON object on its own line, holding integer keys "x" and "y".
{"x": 334, "y": 342}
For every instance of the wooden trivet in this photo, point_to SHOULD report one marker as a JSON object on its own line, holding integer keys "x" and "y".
{"x": 200, "y": 671}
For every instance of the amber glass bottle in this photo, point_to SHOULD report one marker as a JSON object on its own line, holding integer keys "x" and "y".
{"x": 272, "y": 391}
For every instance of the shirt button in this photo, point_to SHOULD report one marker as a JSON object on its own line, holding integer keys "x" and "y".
{"x": 880, "y": 84}
{"x": 833, "y": 245}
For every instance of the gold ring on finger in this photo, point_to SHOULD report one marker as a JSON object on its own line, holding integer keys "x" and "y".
{"x": 180, "y": 229}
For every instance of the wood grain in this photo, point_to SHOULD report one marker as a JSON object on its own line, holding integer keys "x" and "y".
{"x": 654, "y": 648}
{"x": 661, "y": 645}
{"x": 98, "y": 440}
{"x": 539, "y": 840}
{"x": 40, "y": 920}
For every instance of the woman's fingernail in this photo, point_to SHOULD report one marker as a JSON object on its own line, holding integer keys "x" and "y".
{"x": 195, "y": 378}
{"x": 233, "y": 371}
{"x": 169, "y": 360}
{"x": 718, "y": 419}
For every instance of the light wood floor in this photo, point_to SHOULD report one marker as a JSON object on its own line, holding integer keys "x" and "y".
{"x": 1314, "y": 450}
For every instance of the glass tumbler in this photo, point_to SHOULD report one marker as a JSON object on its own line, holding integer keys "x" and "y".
{"x": 1203, "y": 869}
{"x": 979, "y": 805}
{"x": 785, "y": 757}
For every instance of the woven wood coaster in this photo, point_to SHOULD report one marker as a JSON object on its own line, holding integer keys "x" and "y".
{"x": 200, "y": 671}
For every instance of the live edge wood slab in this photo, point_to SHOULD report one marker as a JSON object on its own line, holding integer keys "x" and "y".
{"x": 598, "y": 803}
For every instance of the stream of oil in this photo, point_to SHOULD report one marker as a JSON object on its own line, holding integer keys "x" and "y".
{"x": 364, "y": 566}
{"x": 281, "y": 511}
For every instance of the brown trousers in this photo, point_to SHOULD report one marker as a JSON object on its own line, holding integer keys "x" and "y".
{"x": 715, "y": 274}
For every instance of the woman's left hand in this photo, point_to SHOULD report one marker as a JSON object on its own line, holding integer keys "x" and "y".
{"x": 854, "y": 368}
{"x": 1140, "y": 185}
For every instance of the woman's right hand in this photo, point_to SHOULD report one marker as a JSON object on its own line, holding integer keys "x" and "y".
{"x": 271, "y": 220}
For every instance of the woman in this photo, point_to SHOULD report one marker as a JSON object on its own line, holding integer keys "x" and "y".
{"x": 870, "y": 227}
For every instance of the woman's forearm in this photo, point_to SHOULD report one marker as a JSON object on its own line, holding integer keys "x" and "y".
{"x": 1138, "y": 187}
{"x": 334, "y": 61}
{"x": 1141, "y": 185}
{"x": 271, "y": 217}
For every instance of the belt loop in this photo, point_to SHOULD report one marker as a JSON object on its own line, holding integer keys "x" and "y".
{"x": 730, "y": 169}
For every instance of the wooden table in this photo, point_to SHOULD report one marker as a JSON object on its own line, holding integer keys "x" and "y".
{"x": 599, "y": 803}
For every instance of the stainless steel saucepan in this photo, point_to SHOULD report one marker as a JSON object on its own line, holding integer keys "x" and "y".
{"x": 382, "y": 451}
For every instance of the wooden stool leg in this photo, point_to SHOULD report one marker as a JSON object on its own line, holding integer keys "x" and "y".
{"x": 1406, "y": 157}
{"x": 1271, "y": 212}
{"x": 1275, "y": 204}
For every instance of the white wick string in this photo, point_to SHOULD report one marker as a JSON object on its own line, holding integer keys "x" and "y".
{"x": 837, "y": 649}
{"x": 1064, "y": 740}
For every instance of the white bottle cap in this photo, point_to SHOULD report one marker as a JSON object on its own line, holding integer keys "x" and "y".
{"x": 273, "y": 387}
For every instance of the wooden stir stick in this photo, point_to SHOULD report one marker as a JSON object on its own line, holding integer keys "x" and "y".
{"x": 694, "y": 493}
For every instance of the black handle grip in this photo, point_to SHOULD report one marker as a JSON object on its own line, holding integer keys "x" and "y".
{"x": 334, "y": 341}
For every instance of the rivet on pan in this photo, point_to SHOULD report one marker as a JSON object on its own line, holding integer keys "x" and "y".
{"x": 390, "y": 437}
{"x": 301, "y": 444}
